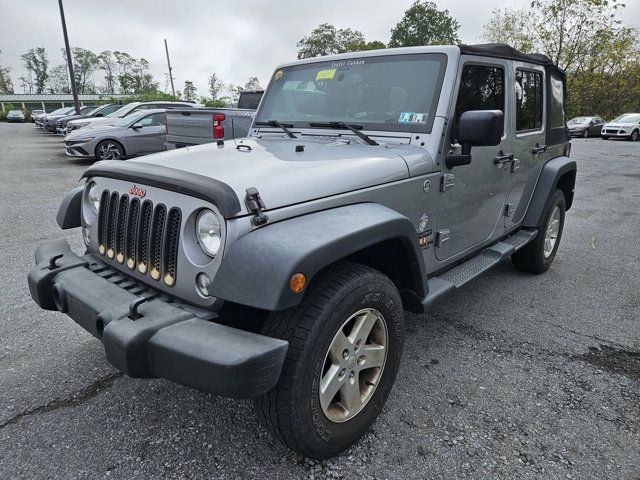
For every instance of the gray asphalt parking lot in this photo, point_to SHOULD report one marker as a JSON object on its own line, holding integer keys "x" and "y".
{"x": 515, "y": 376}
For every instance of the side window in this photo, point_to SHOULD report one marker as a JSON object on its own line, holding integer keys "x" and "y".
{"x": 157, "y": 119}
{"x": 481, "y": 88}
{"x": 529, "y": 98}
{"x": 556, "y": 104}
{"x": 146, "y": 121}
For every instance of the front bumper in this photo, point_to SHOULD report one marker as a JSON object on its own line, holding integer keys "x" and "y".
{"x": 158, "y": 338}
{"x": 616, "y": 132}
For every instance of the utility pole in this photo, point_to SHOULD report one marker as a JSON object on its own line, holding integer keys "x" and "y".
{"x": 166, "y": 49}
{"x": 72, "y": 77}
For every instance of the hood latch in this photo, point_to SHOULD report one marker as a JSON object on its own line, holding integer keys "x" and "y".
{"x": 255, "y": 205}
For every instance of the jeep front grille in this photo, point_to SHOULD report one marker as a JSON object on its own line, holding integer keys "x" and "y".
{"x": 137, "y": 234}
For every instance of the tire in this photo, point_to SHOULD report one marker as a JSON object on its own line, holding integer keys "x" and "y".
{"x": 635, "y": 135}
{"x": 585, "y": 134}
{"x": 537, "y": 256}
{"x": 109, "y": 150}
{"x": 294, "y": 411}
{"x": 604, "y": 137}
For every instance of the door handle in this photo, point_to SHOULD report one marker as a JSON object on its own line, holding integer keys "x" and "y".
{"x": 503, "y": 158}
{"x": 539, "y": 149}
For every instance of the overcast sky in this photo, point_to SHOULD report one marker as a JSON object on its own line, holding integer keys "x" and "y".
{"x": 236, "y": 39}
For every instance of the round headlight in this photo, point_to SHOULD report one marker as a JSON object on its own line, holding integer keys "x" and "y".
{"x": 94, "y": 197}
{"x": 209, "y": 232}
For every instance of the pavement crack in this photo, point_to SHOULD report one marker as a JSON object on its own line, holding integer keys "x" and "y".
{"x": 78, "y": 398}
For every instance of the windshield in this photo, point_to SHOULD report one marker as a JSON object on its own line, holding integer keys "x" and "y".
{"x": 15, "y": 111}
{"x": 628, "y": 118}
{"x": 121, "y": 111}
{"x": 129, "y": 119}
{"x": 580, "y": 120}
{"x": 388, "y": 93}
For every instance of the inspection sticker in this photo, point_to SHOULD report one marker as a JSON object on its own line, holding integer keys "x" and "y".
{"x": 326, "y": 74}
{"x": 278, "y": 75}
{"x": 412, "y": 117}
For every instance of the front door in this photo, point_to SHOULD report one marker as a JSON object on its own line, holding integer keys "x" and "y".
{"x": 473, "y": 196}
{"x": 148, "y": 138}
{"x": 530, "y": 151}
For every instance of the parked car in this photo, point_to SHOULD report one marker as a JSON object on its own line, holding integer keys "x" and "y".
{"x": 626, "y": 126}
{"x": 206, "y": 125}
{"x": 60, "y": 111}
{"x": 128, "y": 109}
{"x": 585, "y": 126}
{"x": 101, "y": 111}
{"x": 15, "y": 116}
{"x": 278, "y": 266}
{"x": 36, "y": 113}
{"x": 49, "y": 121}
{"x": 137, "y": 134}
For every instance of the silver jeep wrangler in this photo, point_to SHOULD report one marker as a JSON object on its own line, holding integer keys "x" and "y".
{"x": 278, "y": 266}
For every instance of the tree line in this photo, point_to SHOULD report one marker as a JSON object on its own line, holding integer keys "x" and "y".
{"x": 120, "y": 73}
{"x": 586, "y": 38}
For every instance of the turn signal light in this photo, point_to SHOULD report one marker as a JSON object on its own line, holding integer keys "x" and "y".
{"x": 297, "y": 282}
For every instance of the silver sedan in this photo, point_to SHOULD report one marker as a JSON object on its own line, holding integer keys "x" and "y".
{"x": 137, "y": 134}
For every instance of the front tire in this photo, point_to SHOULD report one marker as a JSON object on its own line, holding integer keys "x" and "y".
{"x": 604, "y": 137}
{"x": 635, "y": 135}
{"x": 109, "y": 150}
{"x": 537, "y": 256}
{"x": 345, "y": 343}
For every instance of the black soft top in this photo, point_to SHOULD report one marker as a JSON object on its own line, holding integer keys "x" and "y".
{"x": 502, "y": 50}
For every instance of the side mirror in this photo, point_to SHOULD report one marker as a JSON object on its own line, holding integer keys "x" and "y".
{"x": 136, "y": 126}
{"x": 477, "y": 128}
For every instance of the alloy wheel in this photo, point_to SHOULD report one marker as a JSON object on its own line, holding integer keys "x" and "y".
{"x": 353, "y": 365}
{"x": 551, "y": 232}
{"x": 109, "y": 151}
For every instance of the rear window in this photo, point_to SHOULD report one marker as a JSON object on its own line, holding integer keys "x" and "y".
{"x": 556, "y": 104}
{"x": 249, "y": 100}
{"x": 528, "y": 100}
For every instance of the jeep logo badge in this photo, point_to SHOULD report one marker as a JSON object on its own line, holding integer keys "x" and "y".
{"x": 137, "y": 191}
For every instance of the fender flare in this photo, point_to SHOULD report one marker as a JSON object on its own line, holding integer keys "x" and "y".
{"x": 256, "y": 269}
{"x": 550, "y": 178}
{"x": 70, "y": 209}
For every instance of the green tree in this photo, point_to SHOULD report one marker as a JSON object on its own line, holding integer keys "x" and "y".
{"x": 85, "y": 63}
{"x": 58, "y": 81}
{"x": 189, "y": 91}
{"x": 252, "y": 84}
{"x": 215, "y": 86}
{"x": 587, "y": 39}
{"x": 6, "y": 85}
{"x": 37, "y": 62}
{"x": 108, "y": 66}
{"x": 424, "y": 24}
{"x": 133, "y": 74}
{"x": 512, "y": 26}
{"x": 326, "y": 39}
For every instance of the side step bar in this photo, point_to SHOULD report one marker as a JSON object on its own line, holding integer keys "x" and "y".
{"x": 467, "y": 271}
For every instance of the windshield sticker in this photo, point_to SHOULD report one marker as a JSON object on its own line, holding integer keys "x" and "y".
{"x": 326, "y": 74}
{"x": 278, "y": 75}
{"x": 412, "y": 117}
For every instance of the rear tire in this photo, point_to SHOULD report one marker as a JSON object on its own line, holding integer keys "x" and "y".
{"x": 327, "y": 350}
{"x": 538, "y": 255}
{"x": 585, "y": 134}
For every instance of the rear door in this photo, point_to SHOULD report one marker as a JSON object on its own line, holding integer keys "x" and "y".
{"x": 149, "y": 138}
{"x": 472, "y": 196}
{"x": 528, "y": 127}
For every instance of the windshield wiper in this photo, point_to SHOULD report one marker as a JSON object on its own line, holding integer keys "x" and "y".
{"x": 276, "y": 123}
{"x": 355, "y": 129}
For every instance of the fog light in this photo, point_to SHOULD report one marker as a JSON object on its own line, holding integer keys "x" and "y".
{"x": 86, "y": 235}
{"x": 203, "y": 283}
